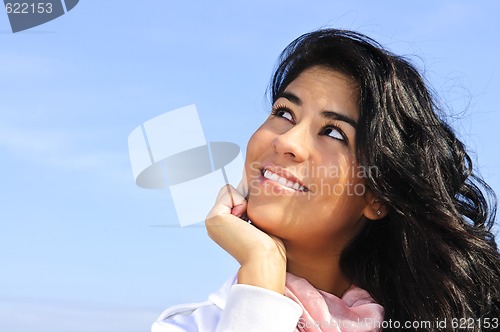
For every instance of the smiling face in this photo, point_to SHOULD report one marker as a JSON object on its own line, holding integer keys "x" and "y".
{"x": 303, "y": 179}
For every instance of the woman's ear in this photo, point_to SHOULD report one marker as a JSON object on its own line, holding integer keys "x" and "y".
{"x": 374, "y": 209}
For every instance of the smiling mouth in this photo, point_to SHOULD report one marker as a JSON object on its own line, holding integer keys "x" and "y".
{"x": 283, "y": 181}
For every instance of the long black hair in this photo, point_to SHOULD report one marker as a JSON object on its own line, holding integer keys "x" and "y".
{"x": 433, "y": 257}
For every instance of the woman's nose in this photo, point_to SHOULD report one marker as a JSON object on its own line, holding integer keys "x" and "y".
{"x": 293, "y": 143}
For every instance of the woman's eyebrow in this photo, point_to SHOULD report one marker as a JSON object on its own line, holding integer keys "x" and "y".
{"x": 294, "y": 99}
{"x": 339, "y": 117}
{"x": 291, "y": 97}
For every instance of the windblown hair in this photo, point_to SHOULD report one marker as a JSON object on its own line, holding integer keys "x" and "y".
{"x": 433, "y": 257}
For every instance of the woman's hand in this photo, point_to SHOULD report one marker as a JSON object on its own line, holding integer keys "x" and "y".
{"x": 262, "y": 257}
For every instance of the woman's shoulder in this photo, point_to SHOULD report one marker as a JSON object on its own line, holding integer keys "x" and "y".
{"x": 234, "y": 307}
{"x": 202, "y": 316}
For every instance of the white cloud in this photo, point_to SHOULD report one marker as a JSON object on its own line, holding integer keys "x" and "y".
{"x": 20, "y": 66}
{"x": 76, "y": 151}
{"x": 29, "y": 316}
{"x": 31, "y": 143}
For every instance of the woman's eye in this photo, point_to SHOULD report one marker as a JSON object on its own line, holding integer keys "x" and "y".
{"x": 281, "y": 113}
{"x": 334, "y": 133}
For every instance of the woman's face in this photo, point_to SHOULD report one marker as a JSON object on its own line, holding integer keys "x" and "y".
{"x": 303, "y": 180}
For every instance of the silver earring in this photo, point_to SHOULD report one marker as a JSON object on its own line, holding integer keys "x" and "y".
{"x": 379, "y": 212}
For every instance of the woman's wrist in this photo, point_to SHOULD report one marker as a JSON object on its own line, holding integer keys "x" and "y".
{"x": 266, "y": 271}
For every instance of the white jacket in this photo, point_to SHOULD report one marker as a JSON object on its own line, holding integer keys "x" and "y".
{"x": 234, "y": 307}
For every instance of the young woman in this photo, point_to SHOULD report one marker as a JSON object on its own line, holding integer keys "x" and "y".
{"x": 359, "y": 210}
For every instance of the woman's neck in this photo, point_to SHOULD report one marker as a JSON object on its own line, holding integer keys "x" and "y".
{"x": 322, "y": 270}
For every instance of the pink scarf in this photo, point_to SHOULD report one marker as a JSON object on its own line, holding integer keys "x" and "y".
{"x": 356, "y": 311}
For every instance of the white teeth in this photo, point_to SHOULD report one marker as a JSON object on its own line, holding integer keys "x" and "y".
{"x": 283, "y": 181}
{"x": 274, "y": 177}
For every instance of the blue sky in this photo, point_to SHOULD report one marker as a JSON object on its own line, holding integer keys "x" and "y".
{"x": 81, "y": 249}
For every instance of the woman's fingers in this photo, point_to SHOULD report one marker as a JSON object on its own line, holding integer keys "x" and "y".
{"x": 229, "y": 201}
{"x": 242, "y": 187}
{"x": 239, "y": 201}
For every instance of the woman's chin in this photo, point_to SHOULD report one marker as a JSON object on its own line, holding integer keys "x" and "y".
{"x": 266, "y": 222}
